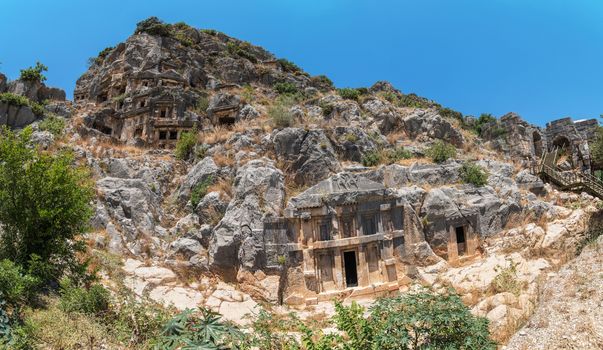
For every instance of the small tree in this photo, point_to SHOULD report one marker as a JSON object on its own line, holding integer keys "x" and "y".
{"x": 440, "y": 152}
{"x": 44, "y": 206}
{"x": 596, "y": 148}
{"x": 472, "y": 173}
{"x": 349, "y": 93}
{"x": 34, "y": 74}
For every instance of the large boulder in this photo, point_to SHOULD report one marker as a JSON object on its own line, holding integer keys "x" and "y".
{"x": 259, "y": 192}
{"x": 352, "y": 142}
{"x": 202, "y": 171}
{"x": 428, "y": 123}
{"x": 16, "y": 116}
{"x": 309, "y": 153}
{"x": 384, "y": 114}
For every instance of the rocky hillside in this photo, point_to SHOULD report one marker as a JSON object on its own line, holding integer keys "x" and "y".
{"x": 187, "y": 218}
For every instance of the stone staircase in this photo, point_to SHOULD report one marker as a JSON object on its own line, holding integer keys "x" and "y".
{"x": 567, "y": 180}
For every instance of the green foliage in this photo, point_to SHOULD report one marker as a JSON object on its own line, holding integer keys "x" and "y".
{"x": 16, "y": 286}
{"x": 350, "y": 93}
{"x": 441, "y": 151}
{"x": 472, "y": 173}
{"x": 200, "y": 190}
{"x": 211, "y": 32}
{"x": 397, "y": 154}
{"x": 450, "y": 113}
{"x": 203, "y": 330}
{"x": 248, "y": 93}
{"x": 322, "y": 82}
{"x": 420, "y": 320}
{"x": 596, "y": 147}
{"x": 288, "y": 66}
{"x": 484, "y": 118}
{"x": 34, "y": 74}
{"x": 371, "y": 158}
{"x": 350, "y": 137}
{"x": 153, "y": 26}
{"x": 286, "y": 88}
{"x": 280, "y": 112}
{"x": 241, "y": 49}
{"x": 20, "y": 101}
{"x": 269, "y": 332}
{"x": 44, "y": 206}
{"x": 91, "y": 301}
{"x": 202, "y": 104}
{"x": 186, "y": 144}
{"x": 53, "y": 124}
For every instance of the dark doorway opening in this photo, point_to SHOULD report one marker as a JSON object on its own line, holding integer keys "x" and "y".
{"x": 460, "y": 240}
{"x": 537, "y": 139}
{"x": 351, "y": 274}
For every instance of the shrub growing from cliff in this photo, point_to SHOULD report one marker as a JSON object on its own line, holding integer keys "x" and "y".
{"x": 186, "y": 144}
{"x": 474, "y": 174}
{"x": 441, "y": 151}
{"x": 350, "y": 93}
{"x": 286, "y": 88}
{"x": 280, "y": 112}
{"x": 34, "y": 74}
{"x": 44, "y": 206}
{"x": 53, "y": 124}
{"x": 20, "y": 101}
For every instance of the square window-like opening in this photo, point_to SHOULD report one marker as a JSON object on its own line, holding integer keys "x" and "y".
{"x": 173, "y": 135}
{"x": 163, "y": 135}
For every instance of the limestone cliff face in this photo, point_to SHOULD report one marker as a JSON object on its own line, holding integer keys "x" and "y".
{"x": 290, "y": 181}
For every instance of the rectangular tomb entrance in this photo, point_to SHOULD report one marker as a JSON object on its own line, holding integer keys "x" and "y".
{"x": 351, "y": 273}
{"x": 461, "y": 240}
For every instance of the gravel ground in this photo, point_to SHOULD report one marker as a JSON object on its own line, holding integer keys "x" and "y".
{"x": 569, "y": 314}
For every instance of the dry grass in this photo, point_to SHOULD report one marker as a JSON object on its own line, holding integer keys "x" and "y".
{"x": 223, "y": 186}
{"x": 394, "y": 137}
{"x": 223, "y": 160}
{"x": 218, "y": 134}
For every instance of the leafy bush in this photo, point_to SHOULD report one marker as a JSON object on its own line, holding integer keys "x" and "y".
{"x": 280, "y": 113}
{"x": 199, "y": 330}
{"x": 241, "y": 49}
{"x": 371, "y": 158}
{"x": 349, "y": 93}
{"x": 200, "y": 190}
{"x": 153, "y": 26}
{"x": 285, "y": 88}
{"x": 53, "y": 124}
{"x": 440, "y": 152}
{"x": 397, "y": 154}
{"x": 450, "y": 113}
{"x": 288, "y": 66}
{"x": 484, "y": 118}
{"x": 37, "y": 231}
{"x": 186, "y": 144}
{"x": 413, "y": 321}
{"x": 34, "y": 74}
{"x": 20, "y": 101}
{"x": 322, "y": 81}
{"x": 327, "y": 108}
{"x": 16, "y": 287}
{"x": 91, "y": 301}
{"x": 472, "y": 173}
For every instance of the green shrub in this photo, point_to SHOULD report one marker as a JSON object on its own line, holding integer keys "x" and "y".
{"x": 450, "y": 113}
{"x": 349, "y": 93}
{"x": 397, "y": 154}
{"x": 472, "y": 173}
{"x": 371, "y": 158}
{"x": 350, "y": 137}
{"x": 506, "y": 280}
{"x": 37, "y": 231}
{"x": 34, "y": 73}
{"x": 322, "y": 81}
{"x": 153, "y": 26}
{"x": 484, "y": 118}
{"x": 441, "y": 151}
{"x": 16, "y": 286}
{"x": 286, "y": 88}
{"x": 241, "y": 49}
{"x": 200, "y": 190}
{"x": 280, "y": 113}
{"x": 202, "y": 104}
{"x": 21, "y": 101}
{"x": 53, "y": 124}
{"x": 414, "y": 101}
{"x": 92, "y": 301}
{"x": 186, "y": 144}
{"x": 288, "y": 66}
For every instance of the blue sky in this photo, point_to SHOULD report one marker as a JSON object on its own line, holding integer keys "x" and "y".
{"x": 539, "y": 58}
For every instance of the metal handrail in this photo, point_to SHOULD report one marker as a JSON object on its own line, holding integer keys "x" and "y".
{"x": 569, "y": 180}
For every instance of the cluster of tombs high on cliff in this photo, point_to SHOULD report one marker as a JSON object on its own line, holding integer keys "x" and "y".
{"x": 527, "y": 142}
{"x": 348, "y": 235}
